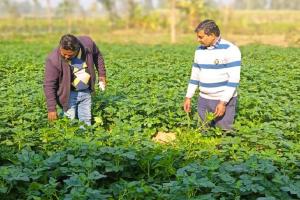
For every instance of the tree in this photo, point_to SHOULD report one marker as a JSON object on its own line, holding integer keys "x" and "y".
{"x": 173, "y": 20}
{"x": 110, "y": 7}
{"x": 282, "y": 4}
{"x": 49, "y": 16}
{"x": 37, "y": 8}
{"x": 67, "y": 8}
{"x": 148, "y": 5}
{"x": 267, "y": 4}
{"x": 193, "y": 9}
{"x": 11, "y": 8}
{"x": 133, "y": 12}
{"x": 250, "y": 4}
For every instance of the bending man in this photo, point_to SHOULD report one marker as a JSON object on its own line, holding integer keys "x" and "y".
{"x": 70, "y": 77}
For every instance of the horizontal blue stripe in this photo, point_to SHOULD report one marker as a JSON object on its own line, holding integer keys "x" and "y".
{"x": 222, "y": 46}
{"x": 219, "y": 84}
{"x": 194, "y": 82}
{"x": 218, "y": 66}
{"x": 231, "y": 84}
{"x": 216, "y": 46}
{"x": 211, "y": 85}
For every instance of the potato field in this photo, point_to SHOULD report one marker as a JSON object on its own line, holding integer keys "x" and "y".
{"x": 116, "y": 157}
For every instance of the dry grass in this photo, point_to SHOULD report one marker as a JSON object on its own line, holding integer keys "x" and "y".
{"x": 164, "y": 138}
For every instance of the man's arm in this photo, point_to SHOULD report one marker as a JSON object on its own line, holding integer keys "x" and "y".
{"x": 193, "y": 85}
{"x": 234, "y": 77}
{"x": 233, "y": 82}
{"x": 187, "y": 104}
{"x": 50, "y": 89}
{"x": 99, "y": 63}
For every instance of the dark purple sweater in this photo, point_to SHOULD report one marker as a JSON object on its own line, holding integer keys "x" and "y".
{"x": 57, "y": 82}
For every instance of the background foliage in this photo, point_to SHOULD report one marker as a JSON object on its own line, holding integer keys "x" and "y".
{"x": 242, "y": 21}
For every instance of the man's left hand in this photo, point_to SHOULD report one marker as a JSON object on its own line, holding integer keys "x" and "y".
{"x": 102, "y": 79}
{"x": 102, "y": 83}
{"x": 220, "y": 109}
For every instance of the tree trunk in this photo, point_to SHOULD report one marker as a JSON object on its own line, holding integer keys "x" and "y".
{"x": 49, "y": 16}
{"x": 173, "y": 21}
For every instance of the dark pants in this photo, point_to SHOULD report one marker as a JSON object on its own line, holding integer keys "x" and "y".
{"x": 226, "y": 121}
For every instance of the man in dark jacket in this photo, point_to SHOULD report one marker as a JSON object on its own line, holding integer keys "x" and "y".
{"x": 70, "y": 77}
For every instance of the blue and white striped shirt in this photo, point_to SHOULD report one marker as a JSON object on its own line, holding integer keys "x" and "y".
{"x": 216, "y": 71}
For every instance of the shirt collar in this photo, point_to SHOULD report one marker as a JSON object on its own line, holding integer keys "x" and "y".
{"x": 216, "y": 44}
{"x": 79, "y": 53}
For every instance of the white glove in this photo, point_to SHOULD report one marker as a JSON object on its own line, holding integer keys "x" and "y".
{"x": 101, "y": 85}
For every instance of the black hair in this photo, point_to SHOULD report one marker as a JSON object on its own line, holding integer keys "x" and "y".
{"x": 209, "y": 26}
{"x": 69, "y": 42}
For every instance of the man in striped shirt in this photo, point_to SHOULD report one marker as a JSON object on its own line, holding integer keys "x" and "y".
{"x": 216, "y": 71}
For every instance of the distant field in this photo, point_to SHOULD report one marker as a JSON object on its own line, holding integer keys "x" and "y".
{"x": 261, "y": 21}
{"x": 279, "y": 28}
{"x": 116, "y": 158}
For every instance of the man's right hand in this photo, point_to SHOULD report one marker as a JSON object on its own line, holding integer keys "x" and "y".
{"x": 52, "y": 116}
{"x": 187, "y": 105}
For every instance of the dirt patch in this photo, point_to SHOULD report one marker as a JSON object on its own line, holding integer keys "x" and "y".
{"x": 164, "y": 138}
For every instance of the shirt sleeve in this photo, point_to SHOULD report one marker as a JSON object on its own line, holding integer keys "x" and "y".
{"x": 194, "y": 80}
{"x": 234, "y": 77}
{"x": 51, "y": 85}
{"x": 99, "y": 61}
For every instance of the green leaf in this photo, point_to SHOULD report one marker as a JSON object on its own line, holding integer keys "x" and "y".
{"x": 95, "y": 175}
{"x": 73, "y": 181}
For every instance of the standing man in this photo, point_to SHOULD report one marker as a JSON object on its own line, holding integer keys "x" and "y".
{"x": 70, "y": 77}
{"x": 216, "y": 71}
